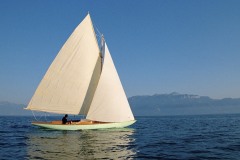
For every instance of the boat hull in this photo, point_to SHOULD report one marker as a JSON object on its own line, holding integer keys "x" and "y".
{"x": 83, "y": 126}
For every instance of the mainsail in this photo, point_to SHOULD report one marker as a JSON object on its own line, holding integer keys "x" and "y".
{"x": 82, "y": 81}
{"x": 64, "y": 87}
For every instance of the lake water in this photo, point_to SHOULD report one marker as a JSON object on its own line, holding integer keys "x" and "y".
{"x": 173, "y": 137}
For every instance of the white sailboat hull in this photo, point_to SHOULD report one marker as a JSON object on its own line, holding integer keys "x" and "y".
{"x": 83, "y": 126}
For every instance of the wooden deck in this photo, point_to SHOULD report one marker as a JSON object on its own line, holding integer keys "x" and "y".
{"x": 73, "y": 122}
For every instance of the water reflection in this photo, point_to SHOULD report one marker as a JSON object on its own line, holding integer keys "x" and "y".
{"x": 87, "y": 144}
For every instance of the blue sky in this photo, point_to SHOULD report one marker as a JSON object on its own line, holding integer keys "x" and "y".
{"x": 158, "y": 46}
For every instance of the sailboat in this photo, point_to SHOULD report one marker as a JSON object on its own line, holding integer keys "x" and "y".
{"x": 83, "y": 80}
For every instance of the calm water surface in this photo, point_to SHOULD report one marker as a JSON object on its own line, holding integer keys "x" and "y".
{"x": 175, "y": 137}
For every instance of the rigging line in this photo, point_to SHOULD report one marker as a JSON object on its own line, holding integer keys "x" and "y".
{"x": 98, "y": 33}
{"x": 34, "y": 116}
{"x": 100, "y": 39}
{"x": 45, "y": 116}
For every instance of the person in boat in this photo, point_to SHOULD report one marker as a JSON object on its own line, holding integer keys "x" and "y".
{"x": 64, "y": 120}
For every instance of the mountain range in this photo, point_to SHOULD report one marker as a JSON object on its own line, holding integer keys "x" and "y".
{"x": 158, "y": 105}
{"x": 13, "y": 109}
{"x": 182, "y": 104}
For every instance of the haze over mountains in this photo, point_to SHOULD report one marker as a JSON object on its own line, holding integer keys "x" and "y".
{"x": 12, "y": 109}
{"x": 158, "y": 105}
{"x": 182, "y": 104}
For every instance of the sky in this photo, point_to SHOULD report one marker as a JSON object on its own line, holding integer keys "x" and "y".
{"x": 158, "y": 46}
